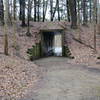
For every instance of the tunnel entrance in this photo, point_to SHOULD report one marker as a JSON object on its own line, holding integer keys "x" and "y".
{"x": 52, "y": 43}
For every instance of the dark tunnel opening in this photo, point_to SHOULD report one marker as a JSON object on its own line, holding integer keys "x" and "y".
{"x": 52, "y": 44}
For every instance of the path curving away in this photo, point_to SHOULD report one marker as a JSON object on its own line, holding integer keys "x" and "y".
{"x": 64, "y": 81}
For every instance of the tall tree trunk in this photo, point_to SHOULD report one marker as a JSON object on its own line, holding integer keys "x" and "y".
{"x": 73, "y": 12}
{"x": 43, "y": 10}
{"x": 98, "y": 17}
{"x": 98, "y": 12}
{"x": 23, "y": 13}
{"x": 14, "y": 9}
{"x": 84, "y": 12}
{"x": 31, "y": 7}
{"x": 68, "y": 10}
{"x": 7, "y": 14}
{"x": 78, "y": 4}
{"x": 95, "y": 21}
{"x": 35, "y": 10}
{"x": 7, "y": 21}
{"x": 1, "y": 12}
{"x": 90, "y": 10}
{"x": 51, "y": 9}
{"x": 20, "y": 15}
{"x": 54, "y": 11}
{"x": 28, "y": 21}
{"x": 58, "y": 9}
{"x": 45, "y": 5}
{"x": 38, "y": 7}
{"x": 11, "y": 8}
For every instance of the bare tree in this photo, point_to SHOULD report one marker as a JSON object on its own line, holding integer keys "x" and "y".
{"x": 58, "y": 9}
{"x": 51, "y": 9}
{"x": 35, "y": 10}
{"x": 7, "y": 13}
{"x": 29, "y": 17}
{"x": 45, "y": 5}
{"x": 1, "y": 12}
{"x": 84, "y": 12}
{"x": 22, "y": 11}
{"x": 90, "y": 4}
{"x": 68, "y": 10}
{"x": 7, "y": 20}
{"x": 94, "y": 20}
{"x": 14, "y": 9}
{"x": 38, "y": 11}
{"x": 73, "y": 12}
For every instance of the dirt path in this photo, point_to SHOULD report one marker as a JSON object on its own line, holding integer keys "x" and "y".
{"x": 64, "y": 81}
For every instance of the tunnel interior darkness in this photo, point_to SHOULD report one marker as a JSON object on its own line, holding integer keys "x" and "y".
{"x": 50, "y": 42}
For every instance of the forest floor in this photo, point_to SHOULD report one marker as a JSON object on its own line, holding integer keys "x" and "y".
{"x": 84, "y": 52}
{"x": 18, "y": 75}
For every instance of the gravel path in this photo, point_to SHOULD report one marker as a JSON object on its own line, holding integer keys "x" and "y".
{"x": 64, "y": 81}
